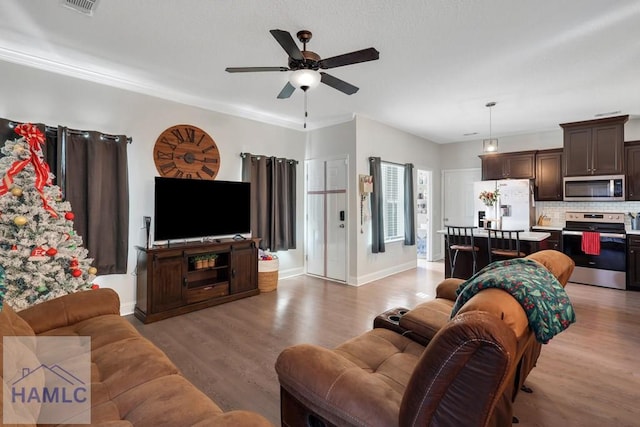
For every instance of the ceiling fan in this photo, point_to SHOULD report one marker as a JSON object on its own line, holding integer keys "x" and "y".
{"x": 305, "y": 65}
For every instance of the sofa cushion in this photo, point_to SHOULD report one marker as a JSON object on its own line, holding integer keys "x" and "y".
{"x": 168, "y": 400}
{"x": 362, "y": 380}
{"x": 121, "y": 358}
{"x": 384, "y": 354}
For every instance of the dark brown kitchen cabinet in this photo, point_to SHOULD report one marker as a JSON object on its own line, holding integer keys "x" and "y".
{"x": 549, "y": 175}
{"x": 632, "y": 162}
{"x": 554, "y": 241}
{"x": 517, "y": 165}
{"x": 633, "y": 262}
{"x": 594, "y": 147}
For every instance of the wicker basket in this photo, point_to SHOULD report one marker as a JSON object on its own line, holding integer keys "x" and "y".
{"x": 268, "y": 275}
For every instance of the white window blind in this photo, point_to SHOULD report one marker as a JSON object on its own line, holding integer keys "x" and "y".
{"x": 393, "y": 199}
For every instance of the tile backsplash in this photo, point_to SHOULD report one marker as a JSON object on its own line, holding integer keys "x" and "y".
{"x": 556, "y": 210}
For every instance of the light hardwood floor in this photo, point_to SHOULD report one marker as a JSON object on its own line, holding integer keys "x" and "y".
{"x": 587, "y": 376}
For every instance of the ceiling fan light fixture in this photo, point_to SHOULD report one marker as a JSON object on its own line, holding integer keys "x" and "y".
{"x": 305, "y": 79}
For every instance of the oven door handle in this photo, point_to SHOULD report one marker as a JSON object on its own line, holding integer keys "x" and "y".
{"x": 579, "y": 233}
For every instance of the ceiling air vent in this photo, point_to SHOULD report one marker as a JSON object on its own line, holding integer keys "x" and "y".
{"x": 83, "y": 6}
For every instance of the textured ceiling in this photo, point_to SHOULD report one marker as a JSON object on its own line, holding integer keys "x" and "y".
{"x": 543, "y": 62}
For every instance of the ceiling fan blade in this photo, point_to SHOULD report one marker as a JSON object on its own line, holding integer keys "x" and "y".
{"x": 252, "y": 69}
{"x": 363, "y": 55}
{"x": 336, "y": 83}
{"x": 287, "y": 43}
{"x": 286, "y": 91}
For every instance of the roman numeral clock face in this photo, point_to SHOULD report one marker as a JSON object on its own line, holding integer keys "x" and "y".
{"x": 185, "y": 151}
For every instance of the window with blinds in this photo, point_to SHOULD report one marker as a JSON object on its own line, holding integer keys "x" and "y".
{"x": 393, "y": 196}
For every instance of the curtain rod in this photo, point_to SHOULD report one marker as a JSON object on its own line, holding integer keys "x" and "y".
{"x": 257, "y": 156}
{"x": 392, "y": 163}
{"x": 48, "y": 128}
{"x": 86, "y": 133}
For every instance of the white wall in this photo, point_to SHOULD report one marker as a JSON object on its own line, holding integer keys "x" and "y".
{"x": 463, "y": 155}
{"x": 32, "y": 95}
{"x": 390, "y": 144}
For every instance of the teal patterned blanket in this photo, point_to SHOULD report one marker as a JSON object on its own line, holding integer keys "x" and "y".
{"x": 542, "y": 297}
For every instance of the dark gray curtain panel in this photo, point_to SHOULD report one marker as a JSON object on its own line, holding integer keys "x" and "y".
{"x": 377, "y": 206}
{"x": 273, "y": 200}
{"x": 409, "y": 206}
{"x": 91, "y": 170}
{"x": 94, "y": 180}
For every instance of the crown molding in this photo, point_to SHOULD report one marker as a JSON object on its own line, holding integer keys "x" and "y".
{"x": 142, "y": 87}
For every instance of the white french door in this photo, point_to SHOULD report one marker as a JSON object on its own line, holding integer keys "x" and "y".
{"x": 327, "y": 218}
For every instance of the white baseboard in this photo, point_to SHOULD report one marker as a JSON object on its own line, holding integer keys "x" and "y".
{"x": 291, "y": 272}
{"x": 127, "y": 308}
{"x": 361, "y": 280}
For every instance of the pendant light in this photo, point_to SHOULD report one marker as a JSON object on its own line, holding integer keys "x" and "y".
{"x": 490, "y": 145}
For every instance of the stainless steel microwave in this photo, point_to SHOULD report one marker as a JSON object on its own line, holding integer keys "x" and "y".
{"x": 593, "y": 188}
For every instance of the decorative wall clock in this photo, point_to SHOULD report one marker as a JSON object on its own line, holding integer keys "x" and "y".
{"x": 186, "y": 151}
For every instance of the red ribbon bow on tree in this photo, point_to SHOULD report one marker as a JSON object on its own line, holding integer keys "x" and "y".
{"x": 34, "y": 138}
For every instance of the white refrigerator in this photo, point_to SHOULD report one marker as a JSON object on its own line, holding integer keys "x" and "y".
{"x": 515, "y": 208}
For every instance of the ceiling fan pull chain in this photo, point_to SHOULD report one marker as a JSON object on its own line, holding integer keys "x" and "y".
{"x": 305, "y": 109}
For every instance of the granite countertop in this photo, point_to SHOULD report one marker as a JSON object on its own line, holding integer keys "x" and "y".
{"x": 531, "y": 236}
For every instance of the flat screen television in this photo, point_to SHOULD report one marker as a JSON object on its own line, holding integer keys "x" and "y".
{"x": 195, "y": 208}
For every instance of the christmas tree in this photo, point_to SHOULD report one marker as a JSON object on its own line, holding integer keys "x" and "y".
{"x": 42, "y": 256}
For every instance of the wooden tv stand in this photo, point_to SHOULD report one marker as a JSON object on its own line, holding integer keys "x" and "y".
{"x": 169, "y": 284}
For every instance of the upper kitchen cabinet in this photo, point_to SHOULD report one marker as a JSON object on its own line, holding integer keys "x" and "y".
{"x": 594, "y": 147}
{"x": 549, "y": 175}
{"x": 518, "y": 165}
{"x": 632, "y": 161}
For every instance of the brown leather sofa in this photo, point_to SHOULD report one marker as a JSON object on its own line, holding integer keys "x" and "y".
{"x": 432, "y": 370}
{"x": 133, "y": 382}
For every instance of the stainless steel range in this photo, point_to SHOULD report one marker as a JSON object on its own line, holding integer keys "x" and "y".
{"x": 606, "y": 266}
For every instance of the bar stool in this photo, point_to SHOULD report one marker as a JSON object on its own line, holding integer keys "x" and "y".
{"x": 460, "y": 239}
{"x": 504, "y": 244}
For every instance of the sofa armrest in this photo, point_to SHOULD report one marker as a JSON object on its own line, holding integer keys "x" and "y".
{"x": 447, "y": 288}
{"x": 427, "y": 318}
{"x": 332, "y": 386}
{"x": 70, "y": 309}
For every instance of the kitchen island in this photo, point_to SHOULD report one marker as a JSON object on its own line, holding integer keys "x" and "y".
{"x": 530, "y": 242}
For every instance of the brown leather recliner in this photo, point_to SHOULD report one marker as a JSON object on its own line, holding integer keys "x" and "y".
{"x": 451, "y": 372}
{"x": 425, "y": 319}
